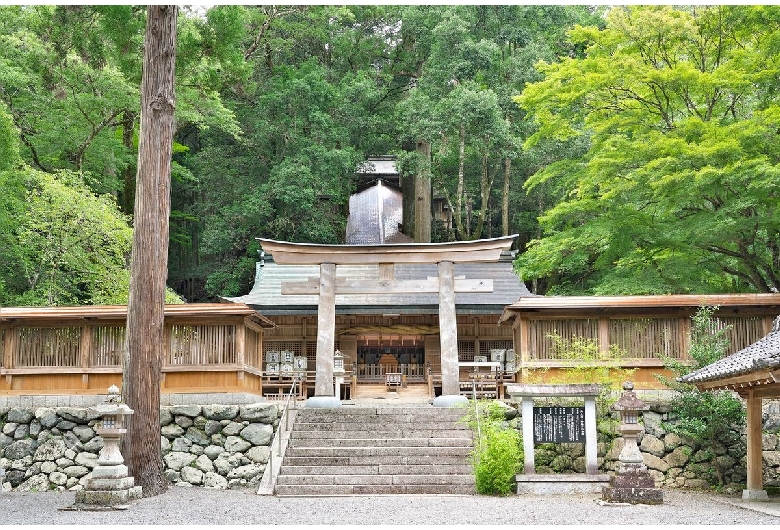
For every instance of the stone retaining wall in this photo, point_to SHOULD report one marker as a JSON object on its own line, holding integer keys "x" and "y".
{"x": 215, "y": 446}
{"x": 672, "y": 460}
{"x": 226, "y": 446}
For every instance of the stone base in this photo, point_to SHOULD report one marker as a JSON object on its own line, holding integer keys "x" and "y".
{"x": 323, "y": 402}
{"x": 633, "y": 495}
{"x": 107, "y": 498}
{"x": 555, "y": 484}
{"x": 449, "y": 401}
{"x": 110, "y": 472}
{"x": 110, "y": 484}
{"x": 632, "y": 487}
{"x": 755, "y": 495}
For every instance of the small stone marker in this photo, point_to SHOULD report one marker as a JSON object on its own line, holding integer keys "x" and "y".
{"x": 551, "y": 424}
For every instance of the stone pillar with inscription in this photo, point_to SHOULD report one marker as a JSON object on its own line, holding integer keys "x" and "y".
{"x": 631, "y": 483}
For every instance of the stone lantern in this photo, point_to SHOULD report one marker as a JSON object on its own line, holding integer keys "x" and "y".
{"x": 338, "y": 373}
{"x": 631, "y": 483}
{"x": 110, "y": 484}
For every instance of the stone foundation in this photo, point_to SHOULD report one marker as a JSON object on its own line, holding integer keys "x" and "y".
{"x": 215, "y": 446}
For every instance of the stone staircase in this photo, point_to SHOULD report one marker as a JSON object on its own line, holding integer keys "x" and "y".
{"x": 409, "y": 449}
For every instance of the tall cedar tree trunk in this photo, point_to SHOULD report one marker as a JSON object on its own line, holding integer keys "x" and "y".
{"x": 463, "y": 230}
{"x": 148, "y": 269}
{"x": 505, "y": 197}
{"x": 422, "y": 194}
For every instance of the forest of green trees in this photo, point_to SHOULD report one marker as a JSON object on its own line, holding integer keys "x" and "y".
{"x": 634, "y": 149}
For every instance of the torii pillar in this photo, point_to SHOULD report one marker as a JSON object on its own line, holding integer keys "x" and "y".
{"x": 327, "y": 286}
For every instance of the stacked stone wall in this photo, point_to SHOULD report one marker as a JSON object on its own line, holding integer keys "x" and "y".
{"x": 228, "y": 446}
{"x": 214, "y": 446}
{"x": 674, "y": 461}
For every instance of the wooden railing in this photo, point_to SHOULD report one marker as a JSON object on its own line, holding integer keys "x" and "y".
{"x": 102, "y": 346}
{"x": 650, "y": 339}
{"x": 377, "y": 372}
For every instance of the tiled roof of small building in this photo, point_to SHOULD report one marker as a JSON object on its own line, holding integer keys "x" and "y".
{"x": 761, "y": 355}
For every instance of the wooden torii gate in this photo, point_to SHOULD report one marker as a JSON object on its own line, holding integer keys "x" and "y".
{"x": 328, "y": 257}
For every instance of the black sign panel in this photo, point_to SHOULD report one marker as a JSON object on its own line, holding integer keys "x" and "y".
{"x": 559, "y": 425}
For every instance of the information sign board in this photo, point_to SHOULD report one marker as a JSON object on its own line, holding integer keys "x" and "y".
{"x": 559, "y": 425}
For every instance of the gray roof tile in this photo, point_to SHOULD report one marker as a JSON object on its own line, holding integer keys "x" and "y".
{"x": 266, "y": 295}
{"x": 761, "y": 355}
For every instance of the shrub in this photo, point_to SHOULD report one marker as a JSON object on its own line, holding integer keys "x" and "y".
{"x": 498, "y": 453}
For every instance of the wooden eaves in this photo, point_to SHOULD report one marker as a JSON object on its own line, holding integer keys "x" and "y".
{"x": 596, "y": 303}
{"x": 189, "y": 312}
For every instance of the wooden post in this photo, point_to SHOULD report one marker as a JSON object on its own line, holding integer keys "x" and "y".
{"x": 326, "y": 330}
{"x": 522, "y": 329}
{"x": 755, "y": 470}
{"x": 9, "y": 346}
{"x": 448, "y": 330}
{"x": 603, "y": 334}
{"x": 85, "y": 350}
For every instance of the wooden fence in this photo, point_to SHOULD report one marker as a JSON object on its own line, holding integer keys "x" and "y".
{"x": 208, "y": 347}
{"x": 634, "y": 333}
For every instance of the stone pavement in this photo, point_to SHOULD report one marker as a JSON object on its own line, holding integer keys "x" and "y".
{"x": 201, "y": 507}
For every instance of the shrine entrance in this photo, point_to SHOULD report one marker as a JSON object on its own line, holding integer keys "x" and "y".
{"x": 379, "y": 355}
{"x": 383, "y": 260}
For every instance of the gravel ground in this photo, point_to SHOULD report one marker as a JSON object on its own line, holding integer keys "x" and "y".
{"x": 200, "y": 507}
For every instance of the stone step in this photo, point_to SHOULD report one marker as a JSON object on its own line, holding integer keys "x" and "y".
{"x": 383, "y": 489}
{"x": 377, "y": 450}
{"x": 380, "y": 418}
{"x": 374, "y": 421}
{"x": 374, "y": 480}
{"x": 377, "y": 469}
{"x": 381, "y": 433}
{"x": 370, "y": 442}
{"x": 463, "y": 451}
{"x": 349, "y": 460}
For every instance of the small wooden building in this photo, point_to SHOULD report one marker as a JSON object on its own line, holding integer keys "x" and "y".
{"x": 754, "y": 373}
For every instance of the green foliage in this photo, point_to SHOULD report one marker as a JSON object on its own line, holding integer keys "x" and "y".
{"x": 67, "y": 245}
{"x": 498, "y": 453}
{"x": 676, "y": 191}
{"x": 711, "y": 419}
{"x": 584, "y": 362}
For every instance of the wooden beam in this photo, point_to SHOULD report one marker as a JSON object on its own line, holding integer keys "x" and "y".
{"x": 386, "y": 271}
{"x": 448, "y": 331}
{"x": 482, "y": 250}
{"x": 345, "y": 286}
{"x": 736, "y": 382}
